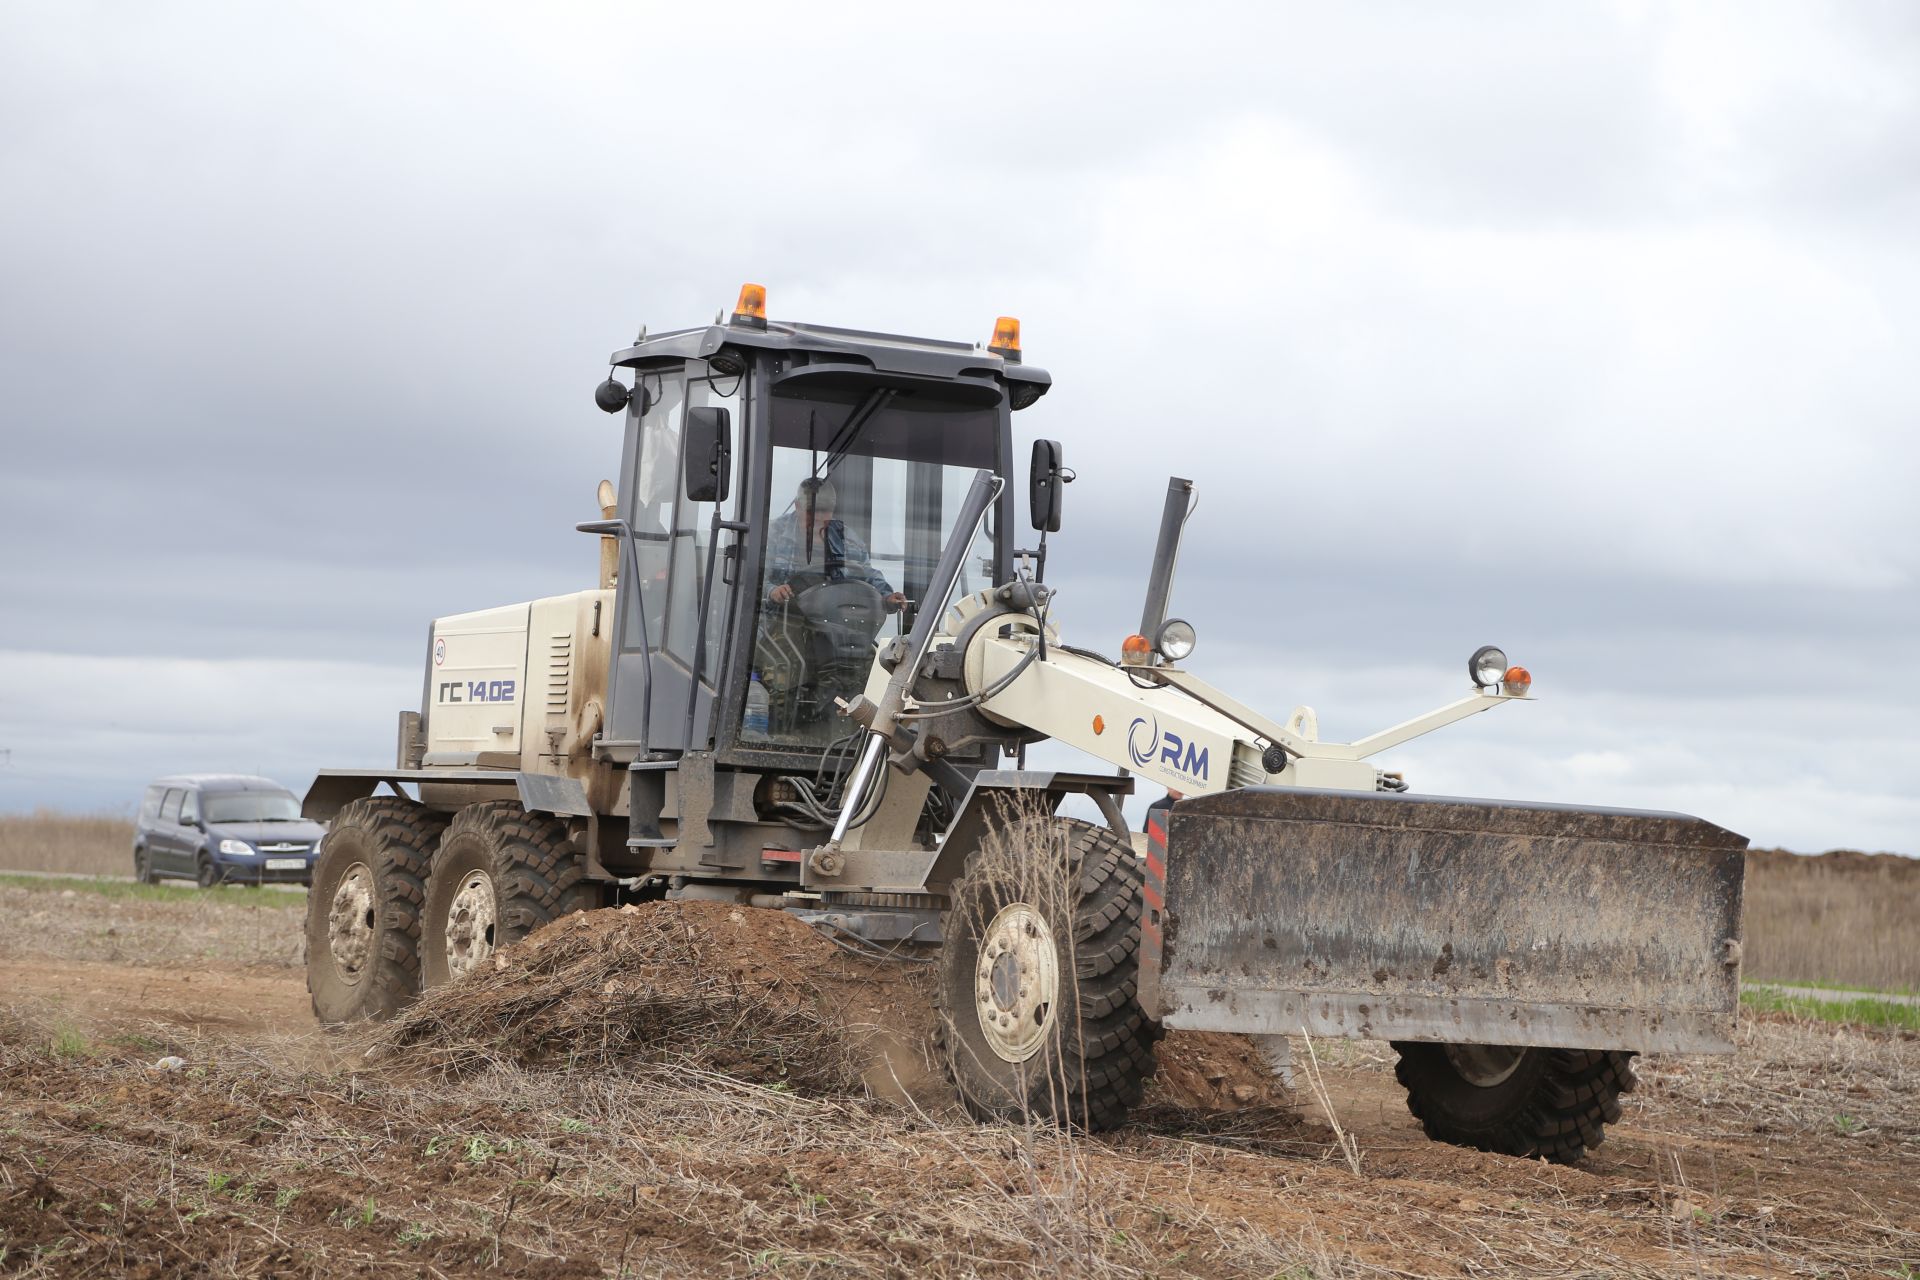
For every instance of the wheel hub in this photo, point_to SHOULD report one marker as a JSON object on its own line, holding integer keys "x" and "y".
{"x": 1484, "y": 1065}
{"x": 470, "y": 920}
{"x": 350, "y": 921}
{"x": 1017, "y": 982}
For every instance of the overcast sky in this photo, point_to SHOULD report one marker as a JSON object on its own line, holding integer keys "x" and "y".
{"x": 1587, "y": 330}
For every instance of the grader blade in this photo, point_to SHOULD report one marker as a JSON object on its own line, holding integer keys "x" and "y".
{"x": 1433, "y": 918}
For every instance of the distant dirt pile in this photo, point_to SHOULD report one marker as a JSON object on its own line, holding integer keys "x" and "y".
{"x": 752, "y": 994}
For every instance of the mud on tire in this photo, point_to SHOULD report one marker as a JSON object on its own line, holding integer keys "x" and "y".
{"x": 363, "y": 909}
{"x": 1089, "y": 1052}
{"x": 500, "y": 874}
{"x": 1550, "y": 1103}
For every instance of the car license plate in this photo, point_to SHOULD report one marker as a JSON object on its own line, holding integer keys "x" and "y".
{"x": 286, "y": 864}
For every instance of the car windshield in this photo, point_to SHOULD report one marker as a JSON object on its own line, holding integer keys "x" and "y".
{"x": 250, "y": 806}
{"x": 866, "y": 487}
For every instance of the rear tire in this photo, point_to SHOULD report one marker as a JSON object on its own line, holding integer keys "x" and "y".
{"x": 500, "y": 874}
{"x": 1553, "y": 1104}
{"x": 143, "y": 867}
{"x": 363, "y": 911}
{"x": 1037, "y": 1004}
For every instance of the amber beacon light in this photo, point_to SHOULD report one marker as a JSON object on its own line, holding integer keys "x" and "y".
{"x": 752, "y": 307}
{"x": 1006, "y": 337}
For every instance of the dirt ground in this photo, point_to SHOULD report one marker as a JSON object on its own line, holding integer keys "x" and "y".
{"x": 273, "y": 1148}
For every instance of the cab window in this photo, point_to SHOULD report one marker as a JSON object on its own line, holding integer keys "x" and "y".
{"x": 867, "y": 484}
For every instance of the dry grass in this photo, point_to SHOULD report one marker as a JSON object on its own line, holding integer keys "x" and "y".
{"x": 1839, "y": 918}
{"x": 73, "y": 844}
{"x": 167, "y": 928}
{"x": 253, "y": 1161}
{"x": 280, "y": 1152}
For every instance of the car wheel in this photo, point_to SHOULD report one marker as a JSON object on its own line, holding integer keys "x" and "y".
{"x": 143, "y": 866}
{"x": 206, "y": 874}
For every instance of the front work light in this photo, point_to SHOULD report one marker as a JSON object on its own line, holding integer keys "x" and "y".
{"x": 1487, "y": 666}
{"x": 611, "y": 396}
{"x": 1176, "y": 639}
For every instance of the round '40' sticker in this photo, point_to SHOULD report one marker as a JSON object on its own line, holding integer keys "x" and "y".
{"x": 439, "y": 652}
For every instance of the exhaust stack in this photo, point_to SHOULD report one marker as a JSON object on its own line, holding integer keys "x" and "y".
{"x": 609, "y": 547}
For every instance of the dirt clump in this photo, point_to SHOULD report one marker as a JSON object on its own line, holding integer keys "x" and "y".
{"x": 1213, "y": 1071}
{"x": 748, "y": 993}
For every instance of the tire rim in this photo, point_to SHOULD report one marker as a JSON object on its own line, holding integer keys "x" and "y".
{"x": 1485, "y": 1065}
{"x": 1017, "y": 982}
{"x": 350, "y": 921}
{"x": 470, "y": 919}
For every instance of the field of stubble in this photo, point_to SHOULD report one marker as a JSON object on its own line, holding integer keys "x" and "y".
{"x": 273, "y": 1149}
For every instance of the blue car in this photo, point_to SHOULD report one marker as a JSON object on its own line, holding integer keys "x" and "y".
{"x": 216, "y": 828}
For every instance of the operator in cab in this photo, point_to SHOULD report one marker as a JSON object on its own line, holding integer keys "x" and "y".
{"x": 807, "y": 542}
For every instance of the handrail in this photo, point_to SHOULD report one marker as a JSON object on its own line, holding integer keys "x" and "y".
{"x": 628, "y": 542}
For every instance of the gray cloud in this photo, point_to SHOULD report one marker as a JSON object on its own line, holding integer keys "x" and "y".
{"x": 1584, "y": 330}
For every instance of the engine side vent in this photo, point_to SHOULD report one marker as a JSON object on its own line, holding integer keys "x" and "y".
{"x": 559, "y": 672}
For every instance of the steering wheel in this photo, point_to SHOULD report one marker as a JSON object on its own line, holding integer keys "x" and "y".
{"x": 841, "y": 609}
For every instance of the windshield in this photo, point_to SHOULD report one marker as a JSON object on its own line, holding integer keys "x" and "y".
{"x": 250, "y": 806}
{"x": 866, "y": 487}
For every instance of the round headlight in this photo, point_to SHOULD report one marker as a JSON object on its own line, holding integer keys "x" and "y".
{"x": 1176, "y": 639}
{"x": 1486, "y": 666}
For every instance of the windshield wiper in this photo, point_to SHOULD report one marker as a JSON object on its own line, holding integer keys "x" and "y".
{"x": 849, "y": 433}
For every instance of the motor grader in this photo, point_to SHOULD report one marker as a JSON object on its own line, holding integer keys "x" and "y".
{"x": 807, "y": 680}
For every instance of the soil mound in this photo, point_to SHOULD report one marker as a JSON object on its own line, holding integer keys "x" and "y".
{"x": 749, "y": 993}
{"x": 1214, "y": 1071}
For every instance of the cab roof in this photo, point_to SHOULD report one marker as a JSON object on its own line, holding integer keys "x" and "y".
{"x": 884, "y": 353}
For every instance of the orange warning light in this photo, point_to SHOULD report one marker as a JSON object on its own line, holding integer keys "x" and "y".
{"x": 1136, "y": 651}
{"x": 752, "y": 306}
{"x": 1006, "y": 337}
{"x": 1516, "y": 682}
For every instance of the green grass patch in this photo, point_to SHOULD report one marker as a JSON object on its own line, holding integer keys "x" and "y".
{"x": 1852, "y": 988}
{"x": 67, "y": 1042}
{"x": 1865, "y": 1011}
{"x": 231, "y": 895}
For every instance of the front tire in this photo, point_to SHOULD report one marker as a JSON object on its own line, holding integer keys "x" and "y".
{"x": 205, "y": 874}
{"x": 1538, "y": 1103}
{"x": 500, "y": 874}
{"x": 363, "y": 910}
{"x": 1037, "y": 1004}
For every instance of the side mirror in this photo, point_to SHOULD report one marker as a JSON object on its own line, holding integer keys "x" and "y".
{"x": 1045, "y": 479}
{"x": 707, "y": 454}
